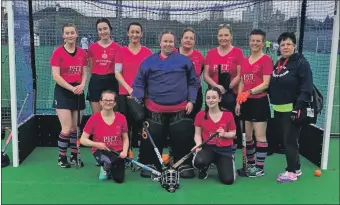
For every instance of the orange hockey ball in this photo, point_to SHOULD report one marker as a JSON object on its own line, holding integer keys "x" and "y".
{"x": 317, "y": 173}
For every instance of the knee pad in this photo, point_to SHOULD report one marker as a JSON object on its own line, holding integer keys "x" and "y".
{"x": 183, "y": 129}
{"x": 147, "y": 153}
{"x": 155, "y": 129}
{"x": 182, "y": 138}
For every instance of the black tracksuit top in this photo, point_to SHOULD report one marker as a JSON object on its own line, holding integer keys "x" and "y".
{"x": 294, "y": 84}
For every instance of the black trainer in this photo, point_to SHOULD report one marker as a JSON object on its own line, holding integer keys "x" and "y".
{"x": 73, "y": 160}
{"x": 203, "y": 173}
{"x": 186, "y": 171}
{"x": 62, "y": 162}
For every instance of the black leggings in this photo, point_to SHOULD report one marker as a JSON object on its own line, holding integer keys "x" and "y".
{"x": 225, "y": 164}
{"x": 111, "y": 163}
{"x": 291, "y": 134}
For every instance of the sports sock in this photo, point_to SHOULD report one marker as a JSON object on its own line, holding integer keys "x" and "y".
{"x": 251, "y": 152}
{"x": 261, "y": 153}
{"x": 63, "y": 142}
{"x": 73, "y": 142}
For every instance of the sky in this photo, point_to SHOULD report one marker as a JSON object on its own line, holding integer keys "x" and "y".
{"x": 315, "y": 9}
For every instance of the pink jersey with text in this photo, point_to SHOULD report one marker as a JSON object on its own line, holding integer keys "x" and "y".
{"x": 111, "y": 135}
{"x": 103, "y": 59}
{"x": 71, "y": 67}
{"x": 228, "y": 62}
{"x": 252, "y": 74}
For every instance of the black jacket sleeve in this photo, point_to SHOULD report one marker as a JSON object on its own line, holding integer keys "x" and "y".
{"x": 305, "y": 77}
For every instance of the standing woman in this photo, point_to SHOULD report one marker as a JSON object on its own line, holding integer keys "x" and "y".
{"x": 187, "y": 49}
{"x": 252, "y": 101}
{"x": 69, "y": 70}
{"x": 101, "y": 62}
{"x": 229, "y": 58}
{"x": 127, "y": 63}
{"x": 290, "y": 90}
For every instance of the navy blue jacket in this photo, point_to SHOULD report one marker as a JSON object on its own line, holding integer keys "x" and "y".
{"x": 169, "y": 81}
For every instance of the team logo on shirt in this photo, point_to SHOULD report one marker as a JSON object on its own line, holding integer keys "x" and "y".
{"x": 74, "y": 70}
{"x": 110, "y": 139}
{"x": 104, "y": 55}
{"x": 224, "y": 68}
{"x": 248, "y": 78}
{"x": 275, "y": 75}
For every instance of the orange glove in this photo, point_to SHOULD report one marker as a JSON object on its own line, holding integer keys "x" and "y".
{"x": 242, "y": 97}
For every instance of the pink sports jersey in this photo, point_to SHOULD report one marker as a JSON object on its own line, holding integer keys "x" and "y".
{"x": 130, "y": 64}
{"x": 103, "y": 59}
{"x": 198, "y": 60}
{"x": 71, "y": 67}
{"x": 252, "y": 74}
{"x": 111, "y": 135}
{"x": 228, "y": 62}
{"x": 209, "y": 127}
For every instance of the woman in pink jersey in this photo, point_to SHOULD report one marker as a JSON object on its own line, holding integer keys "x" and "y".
{"x": 219, "y": 149}
{"x": 127, "y": 62}
{"x": 109, "y": 130}
{"x": 69, "y": 70}
{"x": 101, "y": 62}
{"x": 252, "y": 101}
{"x": 187, "y": 49}
{"x": 228, "y": 59}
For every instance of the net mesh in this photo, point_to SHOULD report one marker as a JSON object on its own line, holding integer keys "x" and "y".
{"x": 274, "y": 17}
{"x": 5, "y": 96}
{"x": 24, "y": 86}
{"x": 317, "y": 48}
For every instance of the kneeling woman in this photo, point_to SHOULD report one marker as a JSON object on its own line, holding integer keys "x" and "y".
{"x": 109, "y": 130}
{"x": 219, "y": 149}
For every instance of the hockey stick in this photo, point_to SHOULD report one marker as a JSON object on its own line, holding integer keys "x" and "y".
{"x": 6, "y": 158}
{"x": 146, "y": 134}
{"x": 242, "y": 171}
{"x": 155, "y": 172}
{"x": 170, "y": 177}
{"x": 78, "y": 163}
{"x": 179, "y": 162}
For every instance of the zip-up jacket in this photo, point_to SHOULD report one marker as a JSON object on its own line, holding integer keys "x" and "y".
{"x": 294, "y": 84}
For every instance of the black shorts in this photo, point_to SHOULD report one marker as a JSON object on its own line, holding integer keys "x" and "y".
{"x": 100, "y": 83}
{"x": 255, "y": 110}
{"x": 65, "y": 99}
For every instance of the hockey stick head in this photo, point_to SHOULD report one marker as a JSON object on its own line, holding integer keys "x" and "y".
{"x": 5, "y": 161}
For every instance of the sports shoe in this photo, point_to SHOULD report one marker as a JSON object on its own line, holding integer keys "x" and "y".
{"x": 203, "y": 173}
{"x": 73, "y": 160}
{"x": 255, "y": 172}
{"x": 286, "y": 177}
{"x": 298, "y": 172}
{"x": 249, "y": 167}
{"x": 103, "y": 175}
{"x": 62, "y": 162}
